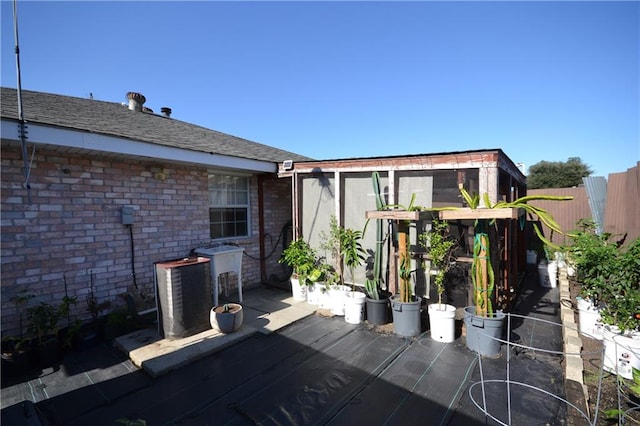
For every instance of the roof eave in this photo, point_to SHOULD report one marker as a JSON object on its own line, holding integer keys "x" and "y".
{"x": 87, "y": 142}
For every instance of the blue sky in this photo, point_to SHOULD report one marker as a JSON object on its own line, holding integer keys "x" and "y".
{"x": 541, "y": 80}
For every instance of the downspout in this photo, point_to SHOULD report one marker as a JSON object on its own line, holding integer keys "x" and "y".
{"x": 294, "y": 207}
{"x": 263, "y": 268}
{"x": 22, "y": 131}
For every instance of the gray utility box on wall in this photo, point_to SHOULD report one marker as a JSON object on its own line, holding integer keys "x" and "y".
{"x": 183, "y": 290}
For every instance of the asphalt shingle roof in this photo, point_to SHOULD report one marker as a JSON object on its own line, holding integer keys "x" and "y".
{"x": 114, "y": 119}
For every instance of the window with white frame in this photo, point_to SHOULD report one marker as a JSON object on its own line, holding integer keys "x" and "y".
{"x": 228, "y": 206}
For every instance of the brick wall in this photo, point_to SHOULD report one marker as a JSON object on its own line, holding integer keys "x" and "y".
{"x": 71, "y": 234}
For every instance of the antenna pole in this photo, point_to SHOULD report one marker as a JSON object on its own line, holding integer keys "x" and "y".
{"x": 22, "y": 128}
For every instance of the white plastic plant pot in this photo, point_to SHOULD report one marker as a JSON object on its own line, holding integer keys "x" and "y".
{"x": 442, "y": 322}
{"x": 548, "y": 274}
{"x": 621, "y": 351}
{"x": 589, "y": 319}
{"x": 338, "y": 293}
{"x": 299, "y": 291}
{"x": 324, "y": 299}
{"x": 354, "y": 302}
{"x": 313, "y": 294}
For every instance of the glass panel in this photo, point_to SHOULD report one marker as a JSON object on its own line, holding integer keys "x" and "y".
{"x": 229, "y": 201}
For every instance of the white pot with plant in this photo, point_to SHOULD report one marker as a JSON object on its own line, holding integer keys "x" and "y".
{"x": 353, "y": 255}
{"x": 302, "y": 260}
{"x": 440, "y": 245}
{"x": 621, "y": 313}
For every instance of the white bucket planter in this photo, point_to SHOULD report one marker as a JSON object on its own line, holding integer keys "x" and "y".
{"x": 442, "y": 321}
{"x": 548, "y": 274}
{"x": 552, "y": 269}
{"x": 324, "y": 299}
{"x": 589, "y": 319}
{"x": 338, "y": 293}
{"x": 313, "y": 294}
{"x": 621, "y": 351}
{"x": 354, "y": 307}
{"x": 299, "y": 291}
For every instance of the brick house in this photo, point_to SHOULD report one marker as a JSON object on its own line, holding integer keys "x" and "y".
{"x": 65, "y": 185}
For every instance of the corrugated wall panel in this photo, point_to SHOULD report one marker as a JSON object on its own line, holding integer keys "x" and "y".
{"x": 622, "y": 211}
{"x": 622, "y": 207}
{"x": 596, "y": 187}
{"x": 566, "y": 213}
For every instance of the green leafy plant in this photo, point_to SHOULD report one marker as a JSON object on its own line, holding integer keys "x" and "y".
{"x": 344, "y": 247}
{"x": 20, "y": 300}
{"x": 594, "y": 256}
{"x": 301, "y": 258}
{"x": 621, "y": 294}
{"x": 352, "y": 252}
{"x": 330, "y": 243}
{"x": 43, "y": 321}
{"x": 441, "y": 246}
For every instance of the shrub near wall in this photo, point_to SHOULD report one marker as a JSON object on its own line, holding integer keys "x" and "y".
{"x": 72, "y": 230}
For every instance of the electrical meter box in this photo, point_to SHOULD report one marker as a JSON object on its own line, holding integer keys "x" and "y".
{"x": 127, "y": 215}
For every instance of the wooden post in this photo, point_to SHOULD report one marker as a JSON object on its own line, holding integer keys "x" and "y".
{"x": 482, "y": 278}
{"x": 403, "y": 259}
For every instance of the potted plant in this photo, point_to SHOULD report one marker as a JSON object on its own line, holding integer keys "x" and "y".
{"x": 593, "y": 255}
{"x": 332, "y": 245}
{"x": 16, "y": 350}
{"x": 43, "y": 325}
{"x": 441, "y": 246}
{"x": 621, "y": 311}
{"x": 314, "y": 281}
{"x": 484, "y": 324}
{"x": 353, "y": 255}
{"x": 405, "y": 306}
{"x": 330, "y": 279}
{"x": 302, "y": 259}
{"x": 377, "y": 302}
{"x": 227, "y": 318}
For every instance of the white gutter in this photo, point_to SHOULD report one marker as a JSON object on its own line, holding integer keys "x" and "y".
{"x": 74, "y": 139}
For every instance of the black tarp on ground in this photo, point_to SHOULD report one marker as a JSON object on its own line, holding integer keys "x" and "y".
{"x": 325, "y": 371}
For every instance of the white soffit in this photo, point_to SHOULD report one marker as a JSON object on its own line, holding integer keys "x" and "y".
{"x": 72, "y": 139}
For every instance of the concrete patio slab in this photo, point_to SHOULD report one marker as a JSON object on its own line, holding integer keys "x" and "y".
{"x": 265, "y": 311}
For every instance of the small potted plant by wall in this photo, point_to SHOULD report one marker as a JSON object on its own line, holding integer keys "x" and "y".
{"x": 302, "y": 259}
{"x": 441, "y": 246}
{"x": 16, "y": 350}
{"x": 43, "y": 325}
{"x": 227, "y": 318}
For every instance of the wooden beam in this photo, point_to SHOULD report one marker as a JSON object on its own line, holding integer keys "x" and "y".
{"x": 399, "y": 214}
{"x": 481, "y": 213}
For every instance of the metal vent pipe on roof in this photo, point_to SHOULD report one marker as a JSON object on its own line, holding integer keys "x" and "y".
{"x": 166, "y": 111}
{"x": 136, "y": 100}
